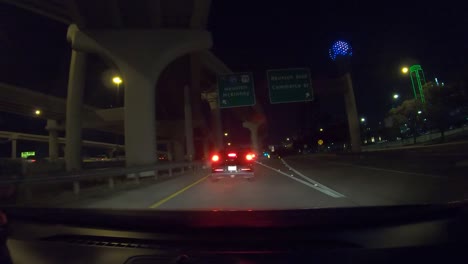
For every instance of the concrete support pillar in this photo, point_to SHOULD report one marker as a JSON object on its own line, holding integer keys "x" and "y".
{"x": 53, "y": 145}
{"x": 216, "y": 125}
{"x": 168, "y": 149}
{"x": 253, "y": 127}
{"x": 76, "y": 80}
{"x": 111, "y": 153}
{"x": 140, "y": 121}
{"x": 218, "y": 128}
{"x": 196, "y": 95}
{"x": 188, "y": 125}
{"x": 13, "y": 148}
{"x": 351, "y": 111}
{"x": 53, "y": 127}
{"x": 140, "y": 61}
{"x": 195, "y": 86}
{"x": 206, "y": 149}
{"x": 178, "y": 151}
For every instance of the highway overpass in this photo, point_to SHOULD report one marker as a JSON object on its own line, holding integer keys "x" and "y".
{"x": 169, "y": 48}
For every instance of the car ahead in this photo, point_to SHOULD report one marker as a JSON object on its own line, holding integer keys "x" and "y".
{"x": 232, "y": 163}
{"x": 31, "y": 159}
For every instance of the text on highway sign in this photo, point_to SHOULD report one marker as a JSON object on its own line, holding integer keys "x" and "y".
{"x": 289, "y": 85}
{"x": 235, "y": 90}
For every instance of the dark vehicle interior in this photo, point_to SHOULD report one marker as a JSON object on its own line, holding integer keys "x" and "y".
{"x": 417, "y": 234}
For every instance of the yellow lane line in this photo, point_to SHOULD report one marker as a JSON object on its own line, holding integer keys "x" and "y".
{"x": 155, "y": 205}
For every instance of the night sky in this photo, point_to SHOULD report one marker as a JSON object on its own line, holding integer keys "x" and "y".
{"x": 260, "y": 35}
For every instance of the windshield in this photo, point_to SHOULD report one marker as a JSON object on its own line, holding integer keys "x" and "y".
{"x": 232, "y": 105}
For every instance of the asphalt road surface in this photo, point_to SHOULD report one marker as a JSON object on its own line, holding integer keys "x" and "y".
{"x": 313, "y": 181}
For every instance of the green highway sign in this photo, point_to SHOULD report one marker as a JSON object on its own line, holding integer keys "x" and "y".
{"x": 289, "y": 85}
{"x": 26, "y": 154}
{"x": 235, "y": 90}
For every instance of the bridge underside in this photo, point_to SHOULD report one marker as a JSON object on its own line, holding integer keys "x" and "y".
{"x": 197, "y": 69}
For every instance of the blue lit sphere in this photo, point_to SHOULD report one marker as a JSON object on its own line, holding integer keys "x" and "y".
{"x": 340, "y": 48}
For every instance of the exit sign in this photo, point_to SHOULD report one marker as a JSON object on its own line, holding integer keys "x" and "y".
{"x": 236, "y": 90}
{"x": 290, "y": 85}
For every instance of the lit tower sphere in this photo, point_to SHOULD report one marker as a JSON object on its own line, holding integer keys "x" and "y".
{"x": 340, "y": 49}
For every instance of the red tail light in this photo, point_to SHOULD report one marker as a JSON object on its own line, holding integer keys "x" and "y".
{"x": 215, "y": 158}
{"x": 249, "y": 157}
{"x": 232, "y": 155}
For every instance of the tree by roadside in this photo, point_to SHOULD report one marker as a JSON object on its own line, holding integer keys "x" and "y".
{"x": 407, "y": 115}
{"x": 441, "y": 102}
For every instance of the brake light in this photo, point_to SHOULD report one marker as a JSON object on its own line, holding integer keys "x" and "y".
{"x": 215, "y": 158}
{"x": 232, "y": 155}
{"x": 249, "y": 157}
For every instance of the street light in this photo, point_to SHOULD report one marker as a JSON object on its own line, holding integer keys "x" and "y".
{"x": 287, "y": 139}
{"x": 117, "y": 80}
{"x": 321, "y": 129}
{"x": 363, "y": 120}
{"x": 37, "y": 112}
{"x": 226, "y": 134}
{"x": 404, "y": 70}
{"x": 229, "y": 143}
{"x": 396, "y": 96}
{"x": 419, "y": 112}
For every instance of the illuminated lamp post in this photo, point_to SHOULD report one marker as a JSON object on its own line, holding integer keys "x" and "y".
{"x": 117, "y": 80}
{"x": 340, "y": 52}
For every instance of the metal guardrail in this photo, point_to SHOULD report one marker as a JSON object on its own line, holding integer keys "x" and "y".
{"x": 109, "y": 174}
{"x": 61, "y": 140}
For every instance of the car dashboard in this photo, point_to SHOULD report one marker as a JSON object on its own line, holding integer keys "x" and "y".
{"x": 399, "y": 234}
